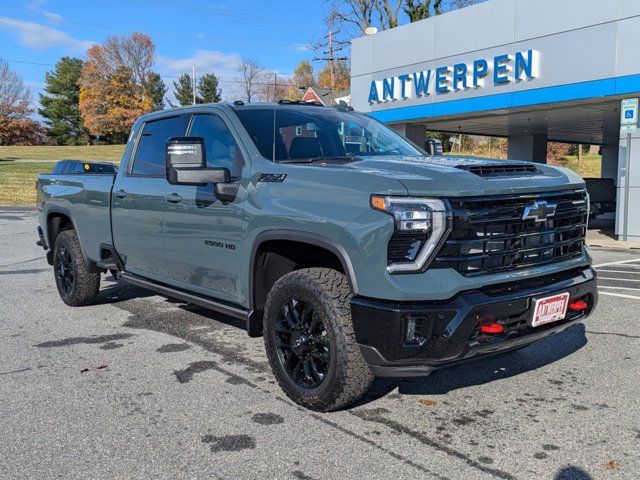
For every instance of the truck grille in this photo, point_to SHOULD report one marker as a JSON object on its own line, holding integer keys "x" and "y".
{"x": 489, "y": 234}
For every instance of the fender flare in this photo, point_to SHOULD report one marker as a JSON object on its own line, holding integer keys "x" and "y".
{"x": 61, "y": 210}
{"x": 304, "y": 237}
{"x": 297, "y": 236}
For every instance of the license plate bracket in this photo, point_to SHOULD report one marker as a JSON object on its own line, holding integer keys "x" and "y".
{"x": 549, "y": 309}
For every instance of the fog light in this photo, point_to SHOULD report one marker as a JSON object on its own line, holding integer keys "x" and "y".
{"x": 415, "y": 330}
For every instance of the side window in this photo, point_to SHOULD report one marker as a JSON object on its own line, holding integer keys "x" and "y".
{"x": 151, "y": 153}
{"x": 222, "y": 151}
{"x": 75, "y": 167}
{"x": 59, "y": 168}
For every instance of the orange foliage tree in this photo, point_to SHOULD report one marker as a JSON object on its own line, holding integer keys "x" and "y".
{"x": 114, "y": 85}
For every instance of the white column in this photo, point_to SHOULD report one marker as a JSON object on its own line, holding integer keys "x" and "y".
{"x": 610, "y": 160}
{"x": 633, "y": 211}
{"x": 531, "y": 148}
{"x": 416, "y": 133}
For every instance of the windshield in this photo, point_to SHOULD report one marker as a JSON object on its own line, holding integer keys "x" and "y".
{"x": 313, "y": 133}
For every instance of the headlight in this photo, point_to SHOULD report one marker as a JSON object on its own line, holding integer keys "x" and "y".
{"x": 420, "y": 224}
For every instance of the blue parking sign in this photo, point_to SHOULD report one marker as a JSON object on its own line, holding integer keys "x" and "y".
{"x": 628, "y": 114}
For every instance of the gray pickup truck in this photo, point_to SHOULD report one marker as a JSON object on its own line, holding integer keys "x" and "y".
{"x": 352, "y": 252}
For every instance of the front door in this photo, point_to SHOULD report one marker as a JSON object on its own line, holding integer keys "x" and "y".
{"x": 139, "y": 198}
{"x": 203, "y": 246}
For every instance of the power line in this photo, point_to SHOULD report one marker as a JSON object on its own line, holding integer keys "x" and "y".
{"x": 101, "y": 28}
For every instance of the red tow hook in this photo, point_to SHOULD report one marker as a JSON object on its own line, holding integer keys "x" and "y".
{"x": 492, "y": 328}
{"x": 579, "y": 305}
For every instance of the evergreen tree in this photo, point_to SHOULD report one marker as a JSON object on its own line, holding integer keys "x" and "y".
{"x": 183, "y": 90}
{"x": 208, "y": 91}
{"x": 60, "y": 103}
{"x": 156, "y": 90}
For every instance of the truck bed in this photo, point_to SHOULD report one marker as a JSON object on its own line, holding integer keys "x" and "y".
{"x": 84, "y": 198}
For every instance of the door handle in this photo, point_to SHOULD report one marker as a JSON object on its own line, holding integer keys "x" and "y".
{"x": 173, "y": 198}
{"x": 121, "y": 193}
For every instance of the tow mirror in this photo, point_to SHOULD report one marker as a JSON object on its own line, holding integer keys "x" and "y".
{"x": 187, "y": 163}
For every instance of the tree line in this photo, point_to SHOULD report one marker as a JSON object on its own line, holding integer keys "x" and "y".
{"x": 99, "y": 97}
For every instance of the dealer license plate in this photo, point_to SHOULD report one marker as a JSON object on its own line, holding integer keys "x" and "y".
{"x": 550, "y": 309}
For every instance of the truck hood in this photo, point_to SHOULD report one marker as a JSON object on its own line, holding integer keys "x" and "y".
{"x": 457, "y": 176}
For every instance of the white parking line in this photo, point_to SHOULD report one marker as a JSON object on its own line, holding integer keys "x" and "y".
{"x": 620, "y": 271}
{"x": 620, "y": 262}
{"x": 619, "y": 295}
{"x": 618, "y": 279}
{"x": 619, "y": 288}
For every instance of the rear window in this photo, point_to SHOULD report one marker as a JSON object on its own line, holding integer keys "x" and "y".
{"x": 60, "y": 168}
{"x": 99, "y": 168}
{"x": 151, "y": 153}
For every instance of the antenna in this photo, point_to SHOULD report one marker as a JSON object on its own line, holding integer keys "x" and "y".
{"x": 193, "y": 83}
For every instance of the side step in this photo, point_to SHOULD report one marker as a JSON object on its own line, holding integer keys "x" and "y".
{"x": 107, "y": 265}
{"x": 204, "y": 302}
{"x": 109, "y": 258}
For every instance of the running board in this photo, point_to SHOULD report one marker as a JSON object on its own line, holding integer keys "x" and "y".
{"x": 187, "y": 297}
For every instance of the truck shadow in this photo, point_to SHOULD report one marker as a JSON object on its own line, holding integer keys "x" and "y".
{"x": 478, "y": 372}
{"x": 572, "y": 473}
{"x": 190, "y": 324}
{"x": 118, "y": 291}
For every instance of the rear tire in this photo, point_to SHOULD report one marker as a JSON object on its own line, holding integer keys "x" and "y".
{"x": 76, "y": 285}
{"x": 310, "y": 342}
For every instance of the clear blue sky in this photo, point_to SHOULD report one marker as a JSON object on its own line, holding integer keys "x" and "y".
{"x": 211, "y": 34}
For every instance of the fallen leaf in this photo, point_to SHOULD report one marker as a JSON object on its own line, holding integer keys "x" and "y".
{"x": 84, "y": 370}
{"x": 612, "y": 465}
{"x": 428, "y": 403}
{"x": 100, "y": 367}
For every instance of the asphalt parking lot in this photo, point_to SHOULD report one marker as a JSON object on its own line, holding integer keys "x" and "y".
{"x": 139, "y": 386}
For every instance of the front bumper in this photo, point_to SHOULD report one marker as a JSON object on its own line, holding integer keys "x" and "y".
{"x": 448, "y": 332}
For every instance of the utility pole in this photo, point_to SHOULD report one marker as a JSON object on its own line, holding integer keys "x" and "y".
{"x": 331, "y": 58}
{"x": 275, "y": 87}
{"x": 193, "y": 83}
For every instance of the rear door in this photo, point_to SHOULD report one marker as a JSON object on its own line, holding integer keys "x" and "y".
{"x": 203, "y": 235}
{"x": 138, "y": 199}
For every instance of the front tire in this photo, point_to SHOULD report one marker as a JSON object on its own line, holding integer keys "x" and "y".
{"x": 76, "y": 285}
{"x": 310, "y": 342}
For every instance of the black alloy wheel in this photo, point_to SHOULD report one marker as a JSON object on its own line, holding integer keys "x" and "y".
{"x": 76, "y": 285}
{"x": 302, "y": 343}
{"x": 65, "y": 271}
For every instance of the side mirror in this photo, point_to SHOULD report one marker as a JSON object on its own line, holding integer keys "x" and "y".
{"x": 187, "y": 163}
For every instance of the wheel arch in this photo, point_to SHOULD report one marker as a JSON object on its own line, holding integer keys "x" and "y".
{"x": 331, "y": 252}
{"x": 59, "y": 219}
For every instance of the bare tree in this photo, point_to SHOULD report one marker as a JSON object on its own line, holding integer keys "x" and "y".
{"x": 388, "y": 11}
{"x": 353, "y": 14}
{"x": 15, "y": 103}
{"x": 135, "y": 51}
{"x": 15, "y": 98}
{"x": 274, "y": 87}
{"x": 252, "y": 75}
{"x": 421, "y": 9}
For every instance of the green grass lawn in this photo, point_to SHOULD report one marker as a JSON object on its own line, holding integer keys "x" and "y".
{"x": 107, "y": 153}
{"x": 19, "y": 167}
{"x": 17, "y": 182}
{"x": 588, "y": 168}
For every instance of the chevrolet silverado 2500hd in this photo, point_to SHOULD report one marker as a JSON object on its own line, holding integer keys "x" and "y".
{"x": 352, "y": 252}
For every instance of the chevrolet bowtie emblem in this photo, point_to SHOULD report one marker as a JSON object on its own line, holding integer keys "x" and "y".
{"x": 539, "y": 211}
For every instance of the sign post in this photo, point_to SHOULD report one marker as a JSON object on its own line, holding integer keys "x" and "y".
{"x": 628, "y": 126}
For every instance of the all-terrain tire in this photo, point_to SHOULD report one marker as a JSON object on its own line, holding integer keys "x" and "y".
{"x": 76, "y": 285}
{"x": 348, "y": 376}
